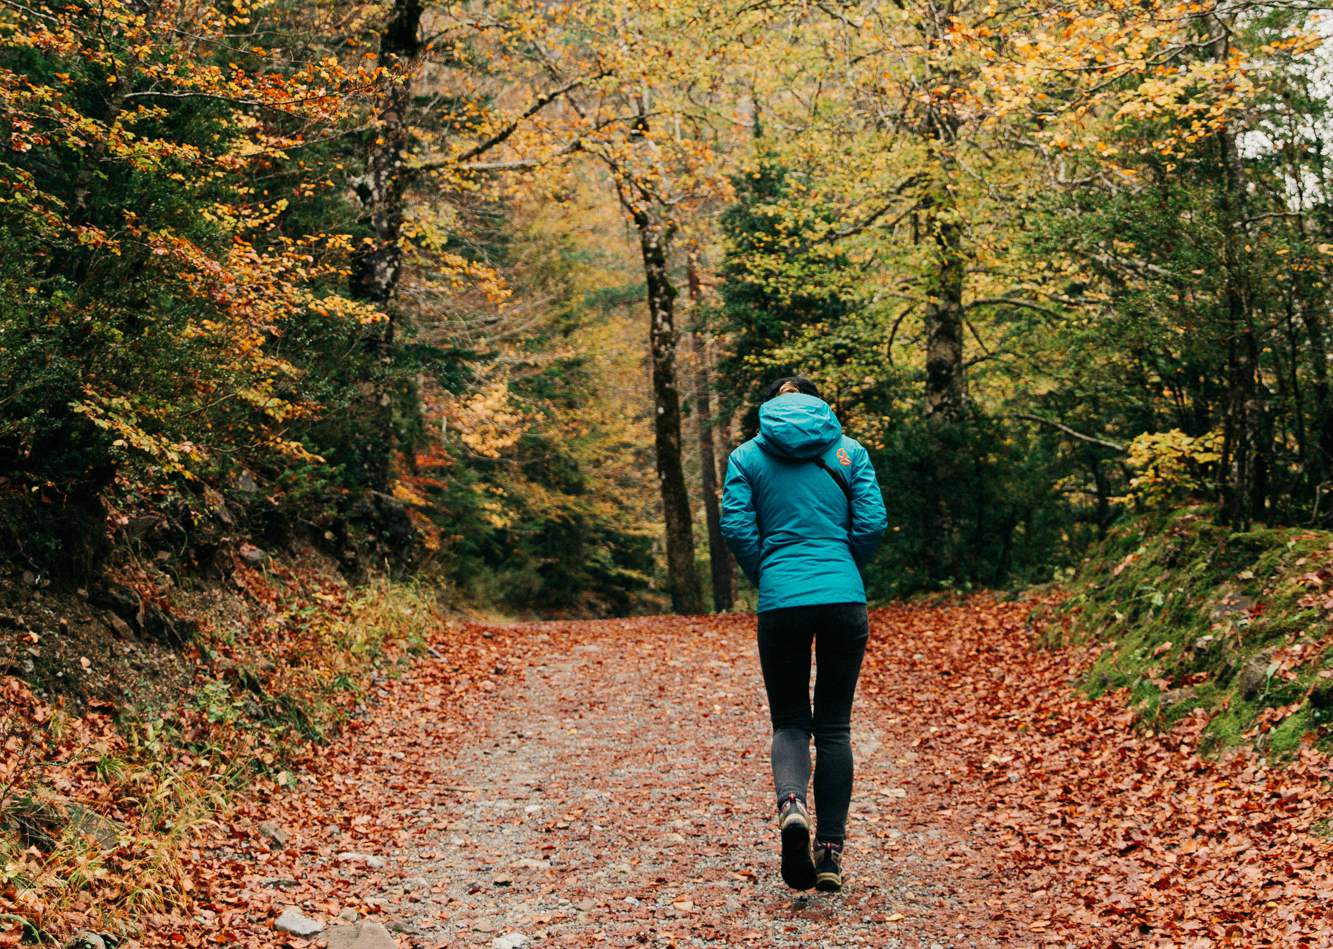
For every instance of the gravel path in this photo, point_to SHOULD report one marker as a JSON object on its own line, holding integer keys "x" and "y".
{"x": 611, "y": 789}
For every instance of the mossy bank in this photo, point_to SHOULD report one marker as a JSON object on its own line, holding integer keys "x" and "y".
{"x": 1191, "y": 615}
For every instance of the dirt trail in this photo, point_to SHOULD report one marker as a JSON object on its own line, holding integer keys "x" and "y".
{"x": 606, "y": 784}
{"x": 616, "y": 793}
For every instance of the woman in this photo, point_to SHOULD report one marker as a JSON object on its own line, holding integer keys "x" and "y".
{"x": 802, "y": 512}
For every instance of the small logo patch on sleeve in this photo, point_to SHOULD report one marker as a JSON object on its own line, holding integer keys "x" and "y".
{"x": 844, "y": 459}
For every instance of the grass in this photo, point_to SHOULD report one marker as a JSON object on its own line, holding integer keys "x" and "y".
{"x": 149, "y": 775}
{"x": 1194, "y": 616}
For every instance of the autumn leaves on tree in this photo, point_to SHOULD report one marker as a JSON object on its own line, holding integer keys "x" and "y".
{"x": 371, "y": 259}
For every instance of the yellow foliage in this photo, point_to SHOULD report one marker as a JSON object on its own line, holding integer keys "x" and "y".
{"x": 1170, "y": 466}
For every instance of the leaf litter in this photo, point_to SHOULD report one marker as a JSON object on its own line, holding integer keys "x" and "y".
{"x": 606, "y": 783}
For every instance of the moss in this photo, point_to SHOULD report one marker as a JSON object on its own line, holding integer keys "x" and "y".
{"x": 1285, "y": 739}
{"x": 1186, "y": 606}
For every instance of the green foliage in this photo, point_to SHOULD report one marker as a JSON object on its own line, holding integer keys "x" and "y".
{"x": 777, "y": 284}
{"x": 149, "y": 284}
{"x": 969, "y": 505}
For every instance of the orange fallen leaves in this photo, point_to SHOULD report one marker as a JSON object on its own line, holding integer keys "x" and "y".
{"x": 1106, "y": 834}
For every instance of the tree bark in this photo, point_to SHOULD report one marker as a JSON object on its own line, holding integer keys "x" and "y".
{"x": 946, "y": 382}
{"x": 1245, "y": 450}
{"x": 377, "y": 269}
{"x": 683, "y": 578}
{"x": 719, "y": 557}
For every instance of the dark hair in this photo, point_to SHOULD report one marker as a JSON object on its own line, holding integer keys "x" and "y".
{"x": 801, "y": 382}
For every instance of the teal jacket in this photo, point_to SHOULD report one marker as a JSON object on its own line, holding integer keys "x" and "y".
{"x": 790, "y": 526}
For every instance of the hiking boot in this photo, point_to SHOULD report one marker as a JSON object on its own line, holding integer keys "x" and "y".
{"x": 828, "y": 866}
{"x": 798, "y": 870}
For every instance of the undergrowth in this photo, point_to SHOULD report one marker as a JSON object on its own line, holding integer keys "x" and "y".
{"x": 96, "y": 807}
{"x": 1190, "y": 615}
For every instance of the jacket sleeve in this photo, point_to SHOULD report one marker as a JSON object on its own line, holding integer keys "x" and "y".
{"x": 740, "y": 523}
{"x": 869, "y": 519}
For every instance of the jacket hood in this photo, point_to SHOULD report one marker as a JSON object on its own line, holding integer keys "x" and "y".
{"x": 797, "y": 426}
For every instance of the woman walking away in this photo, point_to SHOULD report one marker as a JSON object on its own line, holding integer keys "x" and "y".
{"x": 802, "y": 512}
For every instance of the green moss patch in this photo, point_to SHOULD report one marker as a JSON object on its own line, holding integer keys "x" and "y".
{"x": 1195, "y": 616}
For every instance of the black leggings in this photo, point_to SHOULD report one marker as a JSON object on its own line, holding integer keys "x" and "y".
{"x": 839, "y": 632}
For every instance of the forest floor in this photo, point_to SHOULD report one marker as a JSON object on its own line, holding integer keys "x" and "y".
{"x": 606, "y": 783}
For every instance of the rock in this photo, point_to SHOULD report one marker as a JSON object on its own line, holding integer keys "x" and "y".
{"x": 86, "y": 940}
{"x": 347, "y": 915}
{"x": 297, "y": 923}
{"x": 252, "y": 554}
{"x": 369, "y": 859}
{"x": 1230, "y": 605}
{"x": 1321, "y": 696}
{"x": 1168, "y": 700}
{"x": 274, "y": 833}
{"x": 509, "y": 941}
{"x": 674, "y": 838}
{"x": 102, "y": 831}
{"x": 1254, "y": 675}
{"x": 366, "y": 935}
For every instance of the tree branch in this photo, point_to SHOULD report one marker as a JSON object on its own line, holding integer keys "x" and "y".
{"x": 1090, "y": 439}
{"x": 541, "y": 102}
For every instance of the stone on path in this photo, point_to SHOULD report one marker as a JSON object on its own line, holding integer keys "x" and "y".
{"x": 361, "y": 936}
{"x": 274, "y": 833}
{"x": 509, "y": 941}
{"x": 297, "y": 923}
{"x": 374, "y": 861}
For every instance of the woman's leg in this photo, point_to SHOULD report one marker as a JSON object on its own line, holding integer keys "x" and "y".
{"x": 784, "y": 655}
{"x": 840, "y": 645}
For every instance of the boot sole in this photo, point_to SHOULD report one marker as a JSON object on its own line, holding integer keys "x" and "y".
{"x": 798, "y": 869}
{"x": 829, "y": 883}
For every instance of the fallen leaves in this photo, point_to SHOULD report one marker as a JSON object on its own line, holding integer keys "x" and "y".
{"x": 992, "y": 797}
{"x": 1107, "y": 833}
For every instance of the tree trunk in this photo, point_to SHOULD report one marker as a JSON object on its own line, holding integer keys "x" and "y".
{"x": 1322, "y": 411}
{"x": 719, "y": 558}
{"x": 378, "y": 267}
{"x": 686, "y": 595}
{"x": 1245, "y": 452}
{"x": 946, "y": 383}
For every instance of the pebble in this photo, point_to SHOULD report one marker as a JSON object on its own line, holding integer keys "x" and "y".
{"x": 297, "y": 923}
{"x": 509, "y": 941}
{"x": 365, "y": 935}
{"x": 369, "y": 859}
{"x": 274, "y": 833}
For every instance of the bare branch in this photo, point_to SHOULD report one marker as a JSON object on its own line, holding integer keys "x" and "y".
{"x": 541, "y": 102}
{"x": 1090, "y": 439}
